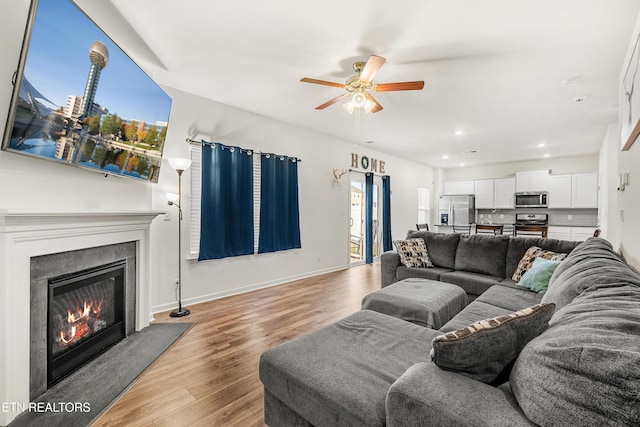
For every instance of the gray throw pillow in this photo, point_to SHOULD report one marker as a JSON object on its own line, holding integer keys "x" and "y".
{"x": 486, "y": 349}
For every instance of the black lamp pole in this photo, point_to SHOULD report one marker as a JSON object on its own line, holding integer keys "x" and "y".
{"x": 179, "y": 312}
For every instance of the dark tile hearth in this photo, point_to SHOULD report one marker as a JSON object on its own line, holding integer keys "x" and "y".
{"x": 92, "y": 388}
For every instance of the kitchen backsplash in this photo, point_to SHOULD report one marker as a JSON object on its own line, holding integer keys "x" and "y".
{"x": 559, "y": 217}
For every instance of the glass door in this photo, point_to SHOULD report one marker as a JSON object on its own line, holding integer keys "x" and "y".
{"x": 356, "y": 219}
{"x": 357, "y": 235}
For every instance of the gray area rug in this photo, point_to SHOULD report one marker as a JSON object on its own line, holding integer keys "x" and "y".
{"x": 97, "y": 384}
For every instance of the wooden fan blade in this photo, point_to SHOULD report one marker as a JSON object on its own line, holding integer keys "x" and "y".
{"x": 371, "y": 68}
{"x": 322, "y": 82}
{"x": 377, "y": 107}
{"x": 331, "y": 102}
{"x": 390, "y": 87}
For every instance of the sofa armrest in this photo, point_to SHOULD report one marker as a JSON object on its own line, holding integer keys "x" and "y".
{"x": 389, "y": 261}
{"x": 427, "y": 395}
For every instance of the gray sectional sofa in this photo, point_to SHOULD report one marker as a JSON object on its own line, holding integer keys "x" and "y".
{"x": 371, "y": 369}
{"x": 475, "y": 262}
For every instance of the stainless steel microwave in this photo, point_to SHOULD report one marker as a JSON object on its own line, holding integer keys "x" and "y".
{"x": 537, "y": 199}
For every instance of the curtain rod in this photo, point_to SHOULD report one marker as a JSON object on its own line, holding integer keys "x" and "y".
{"x": 366, "y": 172}
{"x": 202, "y": 142}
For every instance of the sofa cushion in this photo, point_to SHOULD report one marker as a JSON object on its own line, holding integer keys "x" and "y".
{"x": 537, "y": 277}
{"x": 519, "y": 245}
{"x": 340, "y": 374}
{"x": 530, "y": 256}
{"x": 472, "y": 313}
{"x": 472, "y": 283}
{"x": 434, "y": 273}
{"x": 483, "y": 350}
{"x": 592, "y": 264}
{"x": 441, "y": 247}
{"x": 510, "y": 297}
{"x": 585, "y": 369}
{"x": 413, "y": 253}
{"x": 482, "y": 253}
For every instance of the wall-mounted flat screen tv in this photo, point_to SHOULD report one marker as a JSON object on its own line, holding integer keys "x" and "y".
{"x": 78, "y": 99}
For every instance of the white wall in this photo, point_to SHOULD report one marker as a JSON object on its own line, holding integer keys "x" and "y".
{"x": 31, "y": 184}
{"x": 559, "y": 165}
{"x": 324, "y": 205}
{"x": 628, "y": 203}
{"x": 609, "y": 218}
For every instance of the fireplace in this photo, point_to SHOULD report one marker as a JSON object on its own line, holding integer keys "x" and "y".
{"x": 85, "y": 317}
{"x": 38, "y": 246}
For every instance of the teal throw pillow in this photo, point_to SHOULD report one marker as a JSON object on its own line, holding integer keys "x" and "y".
{"x": 537, "y": 277}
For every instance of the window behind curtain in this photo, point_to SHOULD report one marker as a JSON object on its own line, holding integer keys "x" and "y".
{"x": 424, "y": 205}
{"x": 196, "y": 193}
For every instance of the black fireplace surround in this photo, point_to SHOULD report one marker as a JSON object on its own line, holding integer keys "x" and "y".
{"x": 85, "y": 317}
{"x": 110, "y": 275}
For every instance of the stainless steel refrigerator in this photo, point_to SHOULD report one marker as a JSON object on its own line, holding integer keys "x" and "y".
{"x": 457, "y": 210}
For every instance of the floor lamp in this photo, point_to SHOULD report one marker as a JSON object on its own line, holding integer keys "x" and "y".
{"x": 180, "y": 165}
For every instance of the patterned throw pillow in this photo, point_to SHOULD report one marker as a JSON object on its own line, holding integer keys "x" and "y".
{"x": 413, "y": 253}
{"x": 527, "y": 260}
{"x": 485, "y": 350}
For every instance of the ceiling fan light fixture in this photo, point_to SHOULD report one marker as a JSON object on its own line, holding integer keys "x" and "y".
{"x": 368, "y": 106}
{"x": 358, "y": 99}
{"x": 349, "y": 107}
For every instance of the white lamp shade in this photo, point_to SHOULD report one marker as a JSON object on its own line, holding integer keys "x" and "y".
{"x": 172, "y": 197}
{"x": 358, "y": 99}
{"x": 349, "y": 107}
{"x": 179, "y": 164}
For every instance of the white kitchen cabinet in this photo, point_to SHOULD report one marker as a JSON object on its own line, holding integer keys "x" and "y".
{"x": 581, "y": 234}
{"x": 584, "y": 190}
{"x": 561, "y": 233}
{"x": 560, "y": 191}
{"x": 484, "y": 193}
{"x": 577, "y": 234}
{"x": 532, "y": 181}
{"x": 504, "y": 189}
{"x": 459, "y": 187}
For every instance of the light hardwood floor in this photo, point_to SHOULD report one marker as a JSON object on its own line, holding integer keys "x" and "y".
{"x": 209, "y": 377}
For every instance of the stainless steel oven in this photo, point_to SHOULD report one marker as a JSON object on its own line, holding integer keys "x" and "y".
{"x": 538, "y": 199}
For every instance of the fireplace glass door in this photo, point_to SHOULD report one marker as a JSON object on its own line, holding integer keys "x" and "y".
{"x": 86, "y": 316}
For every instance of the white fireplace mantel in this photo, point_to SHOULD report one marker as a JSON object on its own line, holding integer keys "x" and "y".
{"x": 28, "y": 234}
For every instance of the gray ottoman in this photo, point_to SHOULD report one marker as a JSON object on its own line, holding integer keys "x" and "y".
{"x": 424, "y": 302}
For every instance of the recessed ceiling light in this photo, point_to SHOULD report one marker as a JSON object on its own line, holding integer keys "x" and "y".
{"x": 461, "y": 164}
{"x": 547, "y": 155}
{"x": 459, "y": 132}
{"x": 445, "y": 157}
{"x": 541, "y": 145}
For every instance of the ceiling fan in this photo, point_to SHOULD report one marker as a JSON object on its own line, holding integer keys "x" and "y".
{"x": 360, "y": 85}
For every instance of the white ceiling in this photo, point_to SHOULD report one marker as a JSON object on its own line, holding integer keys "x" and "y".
{"x": 504, "y": 71}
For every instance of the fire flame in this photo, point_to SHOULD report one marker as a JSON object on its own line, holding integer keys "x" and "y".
{"x": 79, "y": 321}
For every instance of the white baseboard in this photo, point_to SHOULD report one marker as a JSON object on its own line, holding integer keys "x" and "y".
{"x": 245, "y": 289}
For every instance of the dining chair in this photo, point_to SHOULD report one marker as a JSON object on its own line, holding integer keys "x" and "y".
{"x": 462, "y": 229}
{"x": 424, "y": 227}
{"x": 488, "y": 229}
{"x": 531, "y": 230}
{"x": 508, "y": 230}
